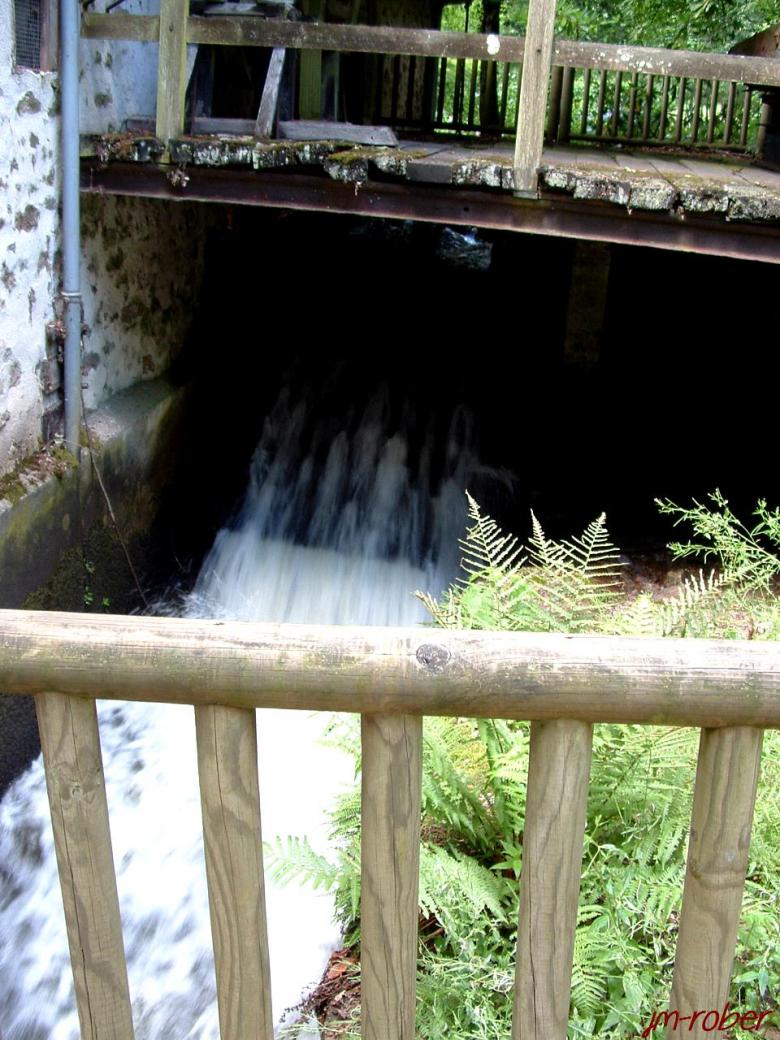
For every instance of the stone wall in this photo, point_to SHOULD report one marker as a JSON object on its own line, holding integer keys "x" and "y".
{"x": 142, "y": 259}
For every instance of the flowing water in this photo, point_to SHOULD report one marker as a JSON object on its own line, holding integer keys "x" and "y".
{"x": 348, "y": 511}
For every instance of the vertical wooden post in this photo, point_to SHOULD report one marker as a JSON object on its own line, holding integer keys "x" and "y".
{"x": 567, "y": 103}
{"x": 265, "y": 124}
{"x": 554, "y": 106}
{"x": 172, "y": 69}
{"x": 310, "y": 70}
{"x": 533, "y": 95}
{"x": 230, "y": 801}
{"x": 79, "y": 814}
{"x": 723, "y": 801}
{"x": 556, "y": 801}
{"x": 390, "y": 860}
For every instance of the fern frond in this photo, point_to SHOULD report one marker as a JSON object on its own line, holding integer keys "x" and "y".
{"x": 293, "y": 858}
{"x": 450, "y": 879}
{"x": 485, "y": 547}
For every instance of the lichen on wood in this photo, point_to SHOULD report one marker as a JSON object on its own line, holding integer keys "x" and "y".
{"x": 125, "y": 147}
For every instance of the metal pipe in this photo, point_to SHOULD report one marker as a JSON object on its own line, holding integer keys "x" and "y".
{"x": 71, "y": 233}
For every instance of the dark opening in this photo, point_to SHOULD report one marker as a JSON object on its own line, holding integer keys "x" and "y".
{"x": 28, "y": 33}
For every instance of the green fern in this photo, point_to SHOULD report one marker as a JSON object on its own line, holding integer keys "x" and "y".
{"x": 639, "y": 802}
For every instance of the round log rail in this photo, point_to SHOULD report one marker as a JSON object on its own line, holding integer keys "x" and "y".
{"x": 392, "y": 670}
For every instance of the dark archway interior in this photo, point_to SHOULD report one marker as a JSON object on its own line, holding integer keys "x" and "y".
{"x": 679, "y": 402}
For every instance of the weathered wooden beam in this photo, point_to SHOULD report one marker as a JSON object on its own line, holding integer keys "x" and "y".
{"x": 390, "y": 861}
{"x": 269, "y": 102}
{"x": 230, "y": 802}
{"x": 372, "y": 39}
{"x": 172, "y": 68}
{"x": 520, "y": 675}
{"x": 723, "y": 801}
{"x": 79, "y": 813}
{"x": 145, "y": 28}
{"x": 553, "y": 833}
{"x": 660, "y": 62}
{"x": 325, "y": 130}
{"x": 246, "y": 31}
{"x": 533, "y": 96}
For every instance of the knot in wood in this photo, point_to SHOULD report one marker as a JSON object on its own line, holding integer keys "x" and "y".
{"x": 433, "y": 657}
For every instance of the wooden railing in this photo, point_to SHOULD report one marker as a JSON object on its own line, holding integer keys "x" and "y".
{"x": 392, "y": 677}
{"x": 602, "y": 92}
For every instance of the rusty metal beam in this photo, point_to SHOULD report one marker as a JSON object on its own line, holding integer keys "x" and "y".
{"x": 551, "y": 215}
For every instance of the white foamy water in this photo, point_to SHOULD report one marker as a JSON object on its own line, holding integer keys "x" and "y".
{"x": 342, "y": 521}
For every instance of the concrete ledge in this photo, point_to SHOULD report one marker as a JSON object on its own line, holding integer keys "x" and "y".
{"x": 58, "y": 546}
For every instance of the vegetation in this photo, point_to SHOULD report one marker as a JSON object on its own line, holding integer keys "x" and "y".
{"x": 714, "y": 25}
{"x": 639, "y": 795}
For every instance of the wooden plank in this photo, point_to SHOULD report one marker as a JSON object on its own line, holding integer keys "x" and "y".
{"x": 533, "y": 96}
{"x": 230, "y": 803}
{"x": 249, "y": 31}
{"x": 523, "y": 675}
{"x": 269, "y": 102}
{"x": 557, "y": 795}
{"x": 714, "y": 172}
{"x": 763, "y": 178}
{"x": 660, "y": 62}
{"x": 79, "y": 812}
{"x": 724, "y": 796}
{"x": 227, "y": 127}
{"x": 390, "y": 859}
{"x": 373, "y": 39}
{"x": 172, "y": 69}
{"x": 322, "y": 130}
{"x": 145, "y": 28}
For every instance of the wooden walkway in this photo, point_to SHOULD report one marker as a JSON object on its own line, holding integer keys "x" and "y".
{"x": 685, "y": 201}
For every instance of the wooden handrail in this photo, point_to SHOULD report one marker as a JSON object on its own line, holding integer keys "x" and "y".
{"x": 520, "y": 675}
{"x": 392, "y": 676}
{"x": 248, "y": 31}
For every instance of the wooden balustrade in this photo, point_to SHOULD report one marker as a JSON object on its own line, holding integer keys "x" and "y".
{"x": 393, "y": 677}
{"x": 602, "y": 92}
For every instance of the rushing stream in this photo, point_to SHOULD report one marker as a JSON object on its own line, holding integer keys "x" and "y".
{"x": 342, "y": 520}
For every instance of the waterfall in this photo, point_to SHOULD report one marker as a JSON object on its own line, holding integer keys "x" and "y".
{"x": 348, "y": 511}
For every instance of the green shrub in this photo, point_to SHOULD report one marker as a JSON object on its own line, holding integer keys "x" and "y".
{"x": 639, "y": 805}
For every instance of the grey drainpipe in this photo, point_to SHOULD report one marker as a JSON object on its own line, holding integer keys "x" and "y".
{"x": 71, "y": 232}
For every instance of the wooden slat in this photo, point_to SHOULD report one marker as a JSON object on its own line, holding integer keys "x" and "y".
{"x": 600, "y": 102}
{"x": 648, "y": 107}
{"x": 77, "y": 797}
{"x": 325, "y": 130}
{"x": 145, "y": 28}
{"x": 729, "y": 120}
{"x": 614, "y": 123}
{"x": 680, "y": 114}
{"x": 269, "y": 102}
{"x": 172, "y": 69}
{"x": 567, "y": 104}
{"x": 745, "y": 124}
{"x": 723, "y": 801}
{"x": 230, "y": 802}
{"x": 558, "y": 773}
{"x": 249, "y": 31}
{"x": 524, "y": 675}
{"x": 390, "y": 856}
{"x": 533, "y": 95}
{"x": 664, "y": 109}
{"x": 714, "y": 90}
{"x": 696, "y": 110}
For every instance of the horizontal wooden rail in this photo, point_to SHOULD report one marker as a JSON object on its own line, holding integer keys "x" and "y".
{"x": 252, "y": 31}
{"x": 392, "y": 676}
{"x": 392, "y": 670}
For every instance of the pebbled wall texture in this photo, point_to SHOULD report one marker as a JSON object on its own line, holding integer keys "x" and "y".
{"x": 142, "y": 260}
